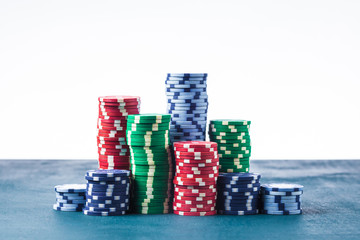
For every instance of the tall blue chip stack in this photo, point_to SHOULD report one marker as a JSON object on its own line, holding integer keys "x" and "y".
{"x": 238, "y": 193}
{"x": 107, "y": 192}
{"x": 187, "y": 102}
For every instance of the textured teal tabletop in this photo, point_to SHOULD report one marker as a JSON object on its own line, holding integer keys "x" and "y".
{"x": 331, "y": 204}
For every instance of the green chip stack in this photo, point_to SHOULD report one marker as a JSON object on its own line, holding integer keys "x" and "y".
{"x": 234, "y": 145}
{"x": 150, "y": 162}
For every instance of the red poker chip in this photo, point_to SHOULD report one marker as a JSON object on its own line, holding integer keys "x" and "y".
{"x": 111, "y": 135}
{"x": 105, "y": 111}
{"x": 198, "y": 155}
{"x": 120, "y": 105}
{"x": 104, "y": 131}
{"x": 196, "y": 161}
{"x": 109, "y": 140}
{"x": 109, "y": 146}
{"x": 109, "y": 150}
{"x": 195, "y": 188}
{"x": 193, "y": 209}
{"x": 111, "y": 128}
{"x": 180, "y": 168}
{"x": 194, "y": 183}
{"x": 181, "y": 164}
{"x": 195, "y": 144}
{"x": 190, "y": 176}
{"x": 113, "y": 144}
{"x": 114, "y": 115}
{"x": 119, "y": 99}
{"x": 195, "y": 180}
{"x": 109, "y": 125}
{"x": 113, "y": 154}
{"x": 110, "y": 121}
{"x": 110, "y": 168}
{"x": 208, "y": 191}
{"x": 194, "y": 199}
{"x": 184, "y": 213}
{"x": 102, "y": 117}
{"x": 190, "y": 194}
{"x": 121, "y": 164}
{"x": 196, "y": 172}
{"x": 114, "y": 158}
{"x": 179, "y": 149}
{"x": 195, "y": 203}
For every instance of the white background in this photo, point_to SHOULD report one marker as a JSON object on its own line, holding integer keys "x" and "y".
{"x": 291, "y": 67}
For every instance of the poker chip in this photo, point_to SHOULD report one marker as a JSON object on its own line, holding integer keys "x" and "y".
{"x": 195, "y": 178}
{"x": 112, "y": 125}
{"x": 107, "y": 192}
{"x": 188, "y": 104}
{"x": 238, "y": 193}
{"x": 151, "y": 163}
{"x": 281, "y": 198}
{"x": 184, "y": 213}
{"x": 70, "y": 197}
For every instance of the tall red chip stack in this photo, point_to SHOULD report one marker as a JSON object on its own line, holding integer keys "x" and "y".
{"x": 111, "y": 138}
{"x": 197, "y": 169}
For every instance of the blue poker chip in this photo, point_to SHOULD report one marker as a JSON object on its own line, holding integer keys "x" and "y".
{"x": 183, "y": 126}
{"x": 186, "y": 134}
{"x": 274, "y": 193}
{"x": 106, "y": 205}
{"x": 181, "y": 115}
{"x": 238, "y": 185}
{"x": 181, "y": 92}
{"x": 281, "y": 208}
{"x": 67, "y": 209}
{"x": 184, "y": 90}
{"x": 205, "y": 104}
{"x": 113, "y": 209}
{"x": 251, "y": 212}
{"x": 109, "y": 186}
{"x": 70, "y": 197}
{"x": 70, "y": 188}
{"x": 238, "y": 194}
{"x": 93, "y": 213}
{"x": 67, "y": 201}
{"x": 281, "y": 199}
{"x": 185, "y": 82}
{"x": 235, "y": 202}
{"x": 238, "y": 198}
{"x": 178, "y": 78}
{"x": 123, "y": 199}
{"x": 236, "y": 208}
{"x": 187, "y": 97}
{"x": 189, "y": 119}
{"x": 188, "y": 123}
{"x": 70, "y": 205}
{"x": 103, "y": 198}
{"x": 123, "y": 181}
{"x": 282, "y": 187}
{"x": 191, "y": 109}
{"x": 238, "y": 190}
{"x": 106, "y": 179}
{"x": 187, "y": 138}
{"x": 107, "y": 193}
{"x": 284, "y": 212}
{"x": 108, "y": 173}
{"x": 240, "y": 176}
{"x": 187, "y": 75}
{"x": 188, "y": 101}
{"x": 184, "y": 86}
{"x": 191, "y": 130}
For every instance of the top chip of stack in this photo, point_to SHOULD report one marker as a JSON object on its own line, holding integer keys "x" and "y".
{"x": 187, "y": 103}
{"x": 151, "y": 165}
{"x": 197, "y": 165}
{"x": 281, "y": 198}
{"x": 234, "y": 145}
{"x": 111, "y": 140}
{"x": 70, "y": 197}
{"x": 238, "y": 193}
{"x": 107, "y": 192}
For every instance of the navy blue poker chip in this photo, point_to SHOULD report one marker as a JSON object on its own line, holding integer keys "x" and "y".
{"x": 285, "y": 212}
{"x": 108, "y": 201}
{"x": 187, "y": 75}
{"x": 282, "y": 187}
{"x": 112, "y": 209}
{"x": 93, "y": 213}
{"x": 110, "y": 205}
{"x": 252, "y": 212}
{"x": 108, "y": 173}
{"x": 238, "y": 185}
{"x": 240, "y": 176}
{"x": 183, "y": 90}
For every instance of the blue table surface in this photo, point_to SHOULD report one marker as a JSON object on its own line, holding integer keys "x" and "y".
{"x": 331, "y": 204}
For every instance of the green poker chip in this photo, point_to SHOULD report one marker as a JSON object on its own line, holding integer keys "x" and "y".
{"x": 147, "y": 133}
{"x": 149, "y": 155}
{"x": 238, "y": 151}
{"x": 246, "y": 141}
{"x": 238, "y": 155}
{"x": 133, "y": 127}
{"x": 149, "y": 118}
{"x": 234, "y": 147}
{"x": 149, "y": 150}
{"x": 149, "y": 143}
{"x": 233, "y": 170}
{"x": 150, "y": 179}
{"x": 229, "y": 134}
{"x": 152, "y": 174}
{"x": 229, "y": 139}
{"x": 228, "y": 129}
{"x": 225, "y": 122}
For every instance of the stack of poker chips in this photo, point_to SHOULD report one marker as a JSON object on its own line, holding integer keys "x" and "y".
{"x": 70, "y": 197}
{"x": 238, "y": 193}
{"x": 151, "y": 164}
{"x": 281, "y": 198}
{"x": 187, "y": 104}
{"x": 107, "y": 192}
{"x": 234, "y": 146}
{"x": 197, "y": 165}
{"x": 111, "y": 140}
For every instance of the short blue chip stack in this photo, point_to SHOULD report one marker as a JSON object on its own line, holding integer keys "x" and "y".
{"x": 238, "y": 193}
{"x": 70, "y": 197}
{"x": 188, "y": 104}
{"x": 281, "y": 198}
{"x": 107, "y": 192}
